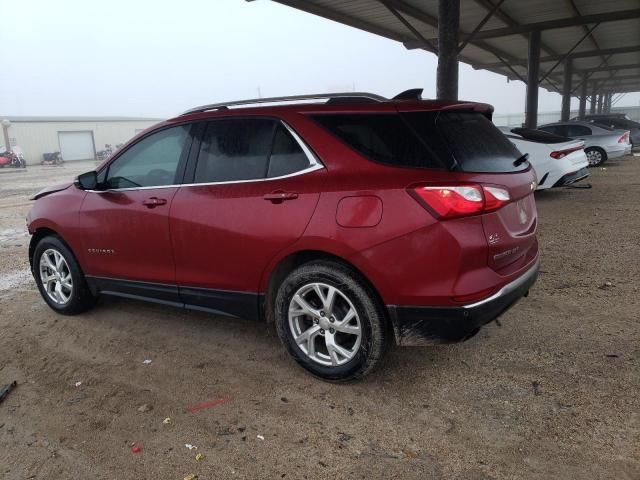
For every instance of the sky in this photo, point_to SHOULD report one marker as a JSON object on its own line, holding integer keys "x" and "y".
{"x": 157, "y": 58}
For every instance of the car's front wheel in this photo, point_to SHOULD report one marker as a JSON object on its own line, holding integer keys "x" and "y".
{"x": 59, "y": 278}
{"x": 595, "y": 156}
{"x": 330, "y": 321}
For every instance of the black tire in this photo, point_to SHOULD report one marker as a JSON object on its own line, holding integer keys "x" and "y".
{"x": 375, "y": 335}
{"x": 600, "y": 154}
{"x": 80, "y": 298}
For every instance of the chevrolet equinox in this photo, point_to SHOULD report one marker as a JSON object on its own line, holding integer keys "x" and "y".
{"x": 349, "y": 220}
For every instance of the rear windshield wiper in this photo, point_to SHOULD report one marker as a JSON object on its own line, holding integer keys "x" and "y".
{"x": 521, "y": 160}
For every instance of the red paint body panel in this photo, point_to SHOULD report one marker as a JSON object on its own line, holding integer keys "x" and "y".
{"x": 229, "y": 237}
{"x": 225, "y": 235}
{"x": 359, "y": 211}
{"x": 125, "y": 239}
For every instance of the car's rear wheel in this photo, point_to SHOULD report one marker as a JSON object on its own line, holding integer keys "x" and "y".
{"x": 59, "y": 278}
{"x": 330, "y": 321}
{"x": 595, "y": 156}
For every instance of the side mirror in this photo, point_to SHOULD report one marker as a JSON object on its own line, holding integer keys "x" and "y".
{"x": 87, "y": 181}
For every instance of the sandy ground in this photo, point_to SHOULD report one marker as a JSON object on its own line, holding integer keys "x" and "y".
{"x": 553, "y": 393}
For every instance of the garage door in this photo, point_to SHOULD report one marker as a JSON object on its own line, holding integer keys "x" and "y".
{"x": 76, "y": 145}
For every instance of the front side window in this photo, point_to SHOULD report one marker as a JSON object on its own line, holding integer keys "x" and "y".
{"x": 151, "y": 162}
{"x": 242, "y": 149}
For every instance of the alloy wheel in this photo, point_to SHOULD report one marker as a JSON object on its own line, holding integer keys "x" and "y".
{"x": 55, "y": 276}
{"x": 325, "y": 324}
{"x": 594, "y": 157}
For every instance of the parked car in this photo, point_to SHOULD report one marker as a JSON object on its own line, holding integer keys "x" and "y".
{"x": 351, "y": 224}
{"x": 618, "y": 121}
{"x": 558, "y": 161}
{"x": 601, "y": 142}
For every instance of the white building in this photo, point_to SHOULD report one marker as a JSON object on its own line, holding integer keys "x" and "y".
{"x": 76, "y": 138}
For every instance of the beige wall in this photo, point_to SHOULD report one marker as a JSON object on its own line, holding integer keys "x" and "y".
{"x": 36, "y": 138}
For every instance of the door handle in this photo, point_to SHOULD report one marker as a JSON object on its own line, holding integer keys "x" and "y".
{"x": 280, "y": 196}
{"x": 153, "y": 202}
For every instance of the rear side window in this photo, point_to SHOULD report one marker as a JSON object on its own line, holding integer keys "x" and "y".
{"x": 472, "y": 141}
{"x": 234, "y": 149}
{"x": 466, "y": 141}
{"x": 287, "y": 156}
{"x": 384, "y": 138}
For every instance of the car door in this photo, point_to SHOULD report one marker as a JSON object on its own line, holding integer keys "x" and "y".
{"x": 125, "y": 224}
{"x": 254, "y": 187}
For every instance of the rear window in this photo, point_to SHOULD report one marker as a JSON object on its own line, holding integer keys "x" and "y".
{"x": 472, "y": 140}
{"x": 466, "y": 141}
{"x": 539, "y": 136}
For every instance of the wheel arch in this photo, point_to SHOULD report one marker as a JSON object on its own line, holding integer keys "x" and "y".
{"x": 41, "y": 233}
{"x": 292, "y": 261}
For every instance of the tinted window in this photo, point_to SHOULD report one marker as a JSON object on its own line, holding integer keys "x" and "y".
{"x": 555, "y": 129}
{"x": 151, "y": 162}
{"x": 235, "y": 149}
{"x": 475, "y": 142}
{"x": 539, "y": 136}
{"x": 577, "y": 130}
{"x": 383, "y": 138}
{"x": 287, "y": 156}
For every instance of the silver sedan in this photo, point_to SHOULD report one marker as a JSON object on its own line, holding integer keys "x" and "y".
{"x": 601, "y": 143}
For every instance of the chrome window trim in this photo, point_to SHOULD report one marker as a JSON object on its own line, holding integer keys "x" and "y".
{"x": 314, "y": 164}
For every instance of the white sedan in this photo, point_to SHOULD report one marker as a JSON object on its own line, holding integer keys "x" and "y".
{"x": 558, "y": 161}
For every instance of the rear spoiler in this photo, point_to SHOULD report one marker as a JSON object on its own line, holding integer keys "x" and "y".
{"x": 483, "y": 108}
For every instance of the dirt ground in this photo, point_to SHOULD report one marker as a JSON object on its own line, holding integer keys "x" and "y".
{"x": 553, "y": 393}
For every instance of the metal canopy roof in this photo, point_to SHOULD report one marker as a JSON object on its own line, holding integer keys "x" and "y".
{"x": 602, "y": 36}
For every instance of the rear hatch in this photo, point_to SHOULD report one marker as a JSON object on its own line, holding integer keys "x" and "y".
{"x": 475, "y": 146}
{"x": 457, "y": 158}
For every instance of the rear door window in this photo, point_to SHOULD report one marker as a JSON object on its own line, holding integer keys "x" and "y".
{"x": 234, "y": 149}
{"x": 577, "y": 130}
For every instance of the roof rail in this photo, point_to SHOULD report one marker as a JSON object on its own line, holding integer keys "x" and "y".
{"x": 292, "y": 98}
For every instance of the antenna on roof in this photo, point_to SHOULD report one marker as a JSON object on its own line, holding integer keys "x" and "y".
{"x": 411, "y": 94}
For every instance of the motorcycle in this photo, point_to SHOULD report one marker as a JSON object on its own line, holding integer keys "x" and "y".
{"x": 12, "y": 159}
{"x": 104, "y": 154}
{"x": 52, "y": 159}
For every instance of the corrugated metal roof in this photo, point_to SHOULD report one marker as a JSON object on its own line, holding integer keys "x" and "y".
{"x": 614, "y": 42}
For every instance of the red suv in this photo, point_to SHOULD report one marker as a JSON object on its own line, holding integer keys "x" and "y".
{"x": 352, "y": 223}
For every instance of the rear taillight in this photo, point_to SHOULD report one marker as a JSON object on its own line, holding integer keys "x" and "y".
{"x": 452, "y": 201}
{"x": 558, "y": 154}
{"x": 624, "y": 138}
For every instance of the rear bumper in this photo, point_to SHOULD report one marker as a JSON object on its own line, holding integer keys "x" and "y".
{"x": 574, "y": 177}
{"x": 427, "y": 325}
